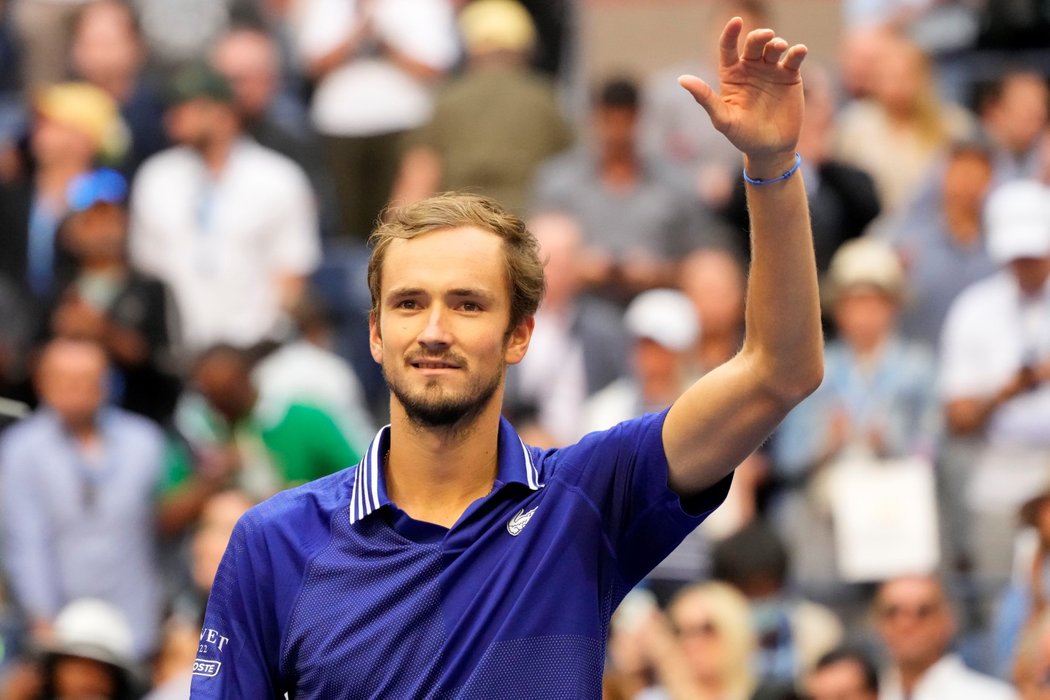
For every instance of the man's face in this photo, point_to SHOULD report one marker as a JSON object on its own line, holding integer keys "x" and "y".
{"x": 192, "y": 122}
{"x": 226, "y": 385}
{"x": 77, "y": 678}
{"x": 842, "y": 680}
{"x": 71, "y": 381}
{"x": 1031, "y": 273}
{"x": 98, "y": 233}
{"x": 441, "y": 334}
{"x": 616, "y": 128}
{"x": 914, "y": 621}
{"x": 865, "y": 316}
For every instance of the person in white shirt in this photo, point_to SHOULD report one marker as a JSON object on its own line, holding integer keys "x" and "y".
{"x": 995, "y": 363}
{"x": 374, "y": 63}
{"x": 229, "y": 225}
{"x": 916, "y": 623}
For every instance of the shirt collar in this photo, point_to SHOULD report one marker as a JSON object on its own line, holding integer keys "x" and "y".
{"x": 369, "y": 493}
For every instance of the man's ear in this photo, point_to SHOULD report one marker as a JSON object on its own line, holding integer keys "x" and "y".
{"x": 518, "y": 340}
{"x": 375, "y": 337}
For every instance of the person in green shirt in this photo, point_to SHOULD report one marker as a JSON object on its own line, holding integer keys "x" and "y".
{"x": 261, "y": 446}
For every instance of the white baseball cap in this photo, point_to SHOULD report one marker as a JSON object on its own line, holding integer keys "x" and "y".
{"x": 93, "y": 629}
{"x": 665, "y": 316}
{"x": 1017, "y": 220}
{"x": 865, "y": 262}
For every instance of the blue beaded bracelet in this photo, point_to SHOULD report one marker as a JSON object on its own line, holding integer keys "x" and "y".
{"x": 752, "y": 181}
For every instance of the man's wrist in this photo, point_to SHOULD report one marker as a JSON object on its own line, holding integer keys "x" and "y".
{"x": 769, "y": 167}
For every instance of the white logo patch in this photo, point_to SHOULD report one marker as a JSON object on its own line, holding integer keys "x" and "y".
{"x": 208, "y": 669}
{"x": 519, "y": 521}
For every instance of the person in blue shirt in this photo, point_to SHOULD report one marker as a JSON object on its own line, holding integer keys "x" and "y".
{"x": 454, "y": 561}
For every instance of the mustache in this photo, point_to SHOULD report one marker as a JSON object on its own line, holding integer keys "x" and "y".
{"x": 450, "y": 358}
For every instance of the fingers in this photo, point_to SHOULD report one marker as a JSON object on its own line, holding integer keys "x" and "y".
{"x": 795, "y": 55}
{"x": 759, "y": 45}
{"x": 706, "y": 98}
{"x": 756, "y": 41}
{"x": 773, "y": 50}
{"x": 727, "y": 44}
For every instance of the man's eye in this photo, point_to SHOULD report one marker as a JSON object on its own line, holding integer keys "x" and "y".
{"x": 407, "y": 304}
{"x": 471, "y": 306}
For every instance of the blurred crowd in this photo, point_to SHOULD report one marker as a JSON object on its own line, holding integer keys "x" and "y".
{"x": 186, "y": 192}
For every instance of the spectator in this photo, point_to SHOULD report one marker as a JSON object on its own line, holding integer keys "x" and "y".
{"x": 492, "y": 125}
{"x": 714, "y": 280}
{"x": 878, "y": 400}
{"x": 843, "y": 674}
{"x": 174, "y": 665}
{"x": 79, "y": 483}
{"x": 942, "y": 243}
{"x": 130, "y": 314}
{"x": 578, "y": 345}
{"x": 107, "y": 51}
{"x": 43, "y": 30}
{"x": 250, "y": 61}
{"x": 229, "y": 225}
{"x": 793, "y": 633}
{"x": 1033, "y": 660}
{"x": 373, "y": 62}
{"x": 1024, "y": 600}
{"x": 1014, "y": 112}
{"x": 90, "y": 656}
{"x": 632, "y": 208}
{"x": 702, "y": 648}
{"x": 995, "y": 359}
{"x": 916, "y": 623}
{"x": 73, "y": 123}
{"x": 306, "y": 370}
{"x": 896, "y": 134}
{"x": 265, "y": 446}
{"x": 663, "y": 327}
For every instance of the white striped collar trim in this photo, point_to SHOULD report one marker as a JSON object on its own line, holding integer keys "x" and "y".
{"x": 369, "y": 490}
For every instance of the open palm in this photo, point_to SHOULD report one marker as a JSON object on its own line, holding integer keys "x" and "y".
{"x": 759, "y": 105}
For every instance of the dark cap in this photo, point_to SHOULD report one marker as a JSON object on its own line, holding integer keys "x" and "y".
{"x": 199, "y": 81}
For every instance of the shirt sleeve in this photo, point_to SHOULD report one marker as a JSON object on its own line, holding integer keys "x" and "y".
{"x": 296, "y": 246}
{"x": 239, "y": 650}
{"x": 27, "y": 534}
{"x": 623, "y": 473}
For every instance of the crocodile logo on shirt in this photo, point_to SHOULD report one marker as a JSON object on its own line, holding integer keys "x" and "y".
{"x": 519, "y": 521}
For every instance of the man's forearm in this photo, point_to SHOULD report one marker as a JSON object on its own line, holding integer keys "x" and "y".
{"x": 783, "y": 306}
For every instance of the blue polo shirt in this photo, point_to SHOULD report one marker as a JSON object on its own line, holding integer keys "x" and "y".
{"x": 330, "y": 591}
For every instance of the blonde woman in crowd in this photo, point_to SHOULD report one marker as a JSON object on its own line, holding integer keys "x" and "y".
{"x": 897, "y": 131}
{"x": 702, "y": 649}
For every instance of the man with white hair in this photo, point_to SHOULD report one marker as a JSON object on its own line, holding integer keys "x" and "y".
{"x": 995, "y": 360}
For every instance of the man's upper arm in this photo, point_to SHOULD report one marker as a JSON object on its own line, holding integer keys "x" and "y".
{"x": 718, "y": 422}
{"x": 239, "y": 650}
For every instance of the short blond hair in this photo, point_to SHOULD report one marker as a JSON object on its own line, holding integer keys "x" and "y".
{"x": 454, "y": 210}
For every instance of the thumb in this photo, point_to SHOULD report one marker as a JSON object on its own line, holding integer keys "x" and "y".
{"x": 706, "y": 98}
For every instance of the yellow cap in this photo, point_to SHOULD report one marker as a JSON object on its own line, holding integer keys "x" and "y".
{"x": 85, "y": 108}
{"x": 496, "y": 25}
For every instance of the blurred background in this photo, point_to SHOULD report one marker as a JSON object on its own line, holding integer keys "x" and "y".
{"x": 186, "y": 192}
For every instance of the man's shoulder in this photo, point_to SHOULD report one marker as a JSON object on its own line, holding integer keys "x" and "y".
{"x": 27, "y": 430}
{"x": 164, "y": 163}
{"x": 265, "y": 163}
{"x": 300, "y": 516}
{"x": 989, "y": 298}
{"x": 951, "y": 674}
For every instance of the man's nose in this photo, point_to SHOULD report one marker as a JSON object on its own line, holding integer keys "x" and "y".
{"x": 435, "y": 334}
